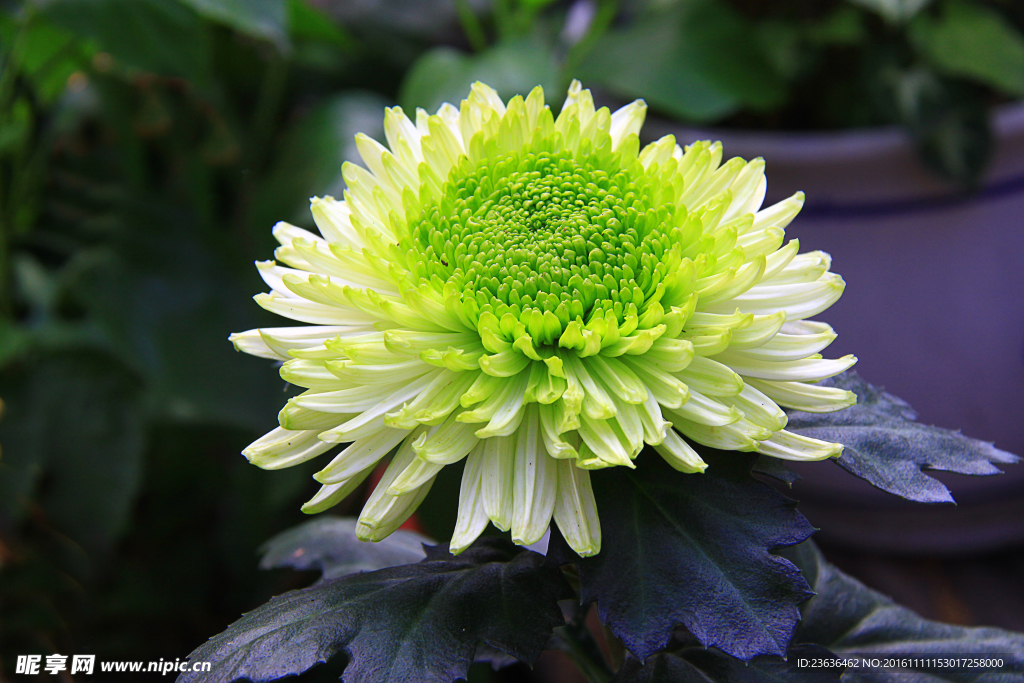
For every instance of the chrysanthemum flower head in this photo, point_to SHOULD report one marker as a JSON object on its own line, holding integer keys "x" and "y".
{"x": 540, "y": 297}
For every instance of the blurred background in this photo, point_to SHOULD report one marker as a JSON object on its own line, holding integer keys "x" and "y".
{"x": 148, "y": 146}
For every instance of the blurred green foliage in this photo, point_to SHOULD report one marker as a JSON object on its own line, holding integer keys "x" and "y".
{"x": 147, "y": 147}
{"x": 934, "y": 67}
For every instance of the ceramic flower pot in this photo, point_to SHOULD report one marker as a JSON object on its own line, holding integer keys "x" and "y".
{"x": 934, "y": 310}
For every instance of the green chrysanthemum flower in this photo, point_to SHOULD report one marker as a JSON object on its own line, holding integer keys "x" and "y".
{"x": 541, "y": 297}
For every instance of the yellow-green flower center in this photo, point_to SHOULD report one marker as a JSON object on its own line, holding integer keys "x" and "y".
{"x": 549, "y": 234}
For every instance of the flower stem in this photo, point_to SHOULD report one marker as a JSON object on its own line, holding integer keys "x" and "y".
{"x": 576, "y": 640}
{"x": 9, "y": 67}
{"x": 606, "y": 13}
{"x": 471, "y": 26}
{"x": 268, "y": 104}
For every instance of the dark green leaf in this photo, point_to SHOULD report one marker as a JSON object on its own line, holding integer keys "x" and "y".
{"x": 698, "y": 665}
{"x": 699, "y": 62}
{"x": 512, "y": 68}
{"x": 693, "y": 550}
{"x": 848, "y": 618}
{"x": 886, "y": 447}
{"x": 259, "y": 18}
{"x": 329, "y": 545}
{"x": 976, "y": 42}
{"x": 48, "y": 55}
{"x": 957, "y": 141}
{"x": 419, "y": 622}
{"x": 647, "y": 61}
{"x": 948, "y": 119}
{"x": 576, "y": 640}
{"x": 310, "y": 23}
{"x": 143, "y": 34}
{"x": 843, "y": 26}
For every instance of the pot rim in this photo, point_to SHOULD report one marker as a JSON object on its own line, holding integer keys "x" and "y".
{"x": 812, "y": 146}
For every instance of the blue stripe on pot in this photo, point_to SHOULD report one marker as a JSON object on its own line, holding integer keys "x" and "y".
{"x": 995, "y": 190}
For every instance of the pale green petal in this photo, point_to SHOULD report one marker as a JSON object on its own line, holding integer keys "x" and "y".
{"x": 761, "y": 330}
{"x": 628, "y": 426}
{"x": 597, "y": 403}
{"x": 679, "y": 454}
{"x": 352, "y": 400}
{"x": 305, "y": 311}
{"x": 509, "y": 414}
{"x": 777, "y": 262}
{"x": 383, "y": 513}
{"x": 398, "y": 126}
{"x": 711, "y": 378}
{"x": 747, "y": 190}
{"x": 330, "y": 495}
{"x": 280, "y": 448}
{"x": 497, "y": 479}
{"x": 417, "y": 471}
{"x": 797, "y": 340}
{"x": 656, "y": 153}
{"x": 764, "y": 242}
{"x": 367, "y": 373}
{"x": 790, "y": 446}
{"x": 451, "y": 442}
{"x": 251, "y": 342}
{"x": 652, "y": 421}
{"x": 807, "y": 370}
{"x": 732, "y": 437}
{"x": 273, "y": 275}
{"x": 472, "y": 517}
{"x": 779, "y": 215}
{"x": 313, "y": 375}
{"x": 500, "y": 409}
{"x": 575, "y": 509}
{"x": 286, "y": 233}
{"x": 799, "y": 301}
{"x": 372, "y": 419}
{"x": 670, "y": 355}
{"x": 432, "y": 405}
{"x": 622, "y": 381}
{"x": 705, "y": 410}
{"x": 284, "y": 340}
{"x": 554, "y": 444}
{"x": 360, "y": 455}
{"x": 757, "y": 408}
{"x": 604, "y": 442}
{"x": 296, "y": 418}
{"x": 807, "y": 397}
{"x": 627, "y": 121}
{"x": 802, "y": 268}
{"x": 334, "y": 220}
{"x": 535, "y": 483}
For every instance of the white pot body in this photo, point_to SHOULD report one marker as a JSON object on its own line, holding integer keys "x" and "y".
{"x": 933, "y": 308}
